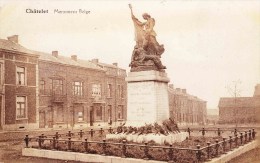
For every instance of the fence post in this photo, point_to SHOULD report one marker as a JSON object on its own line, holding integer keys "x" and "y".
{"x": 91, "y": 133}
{"x": 219, "y": 132}
{"x": 69, "y": 144}
{"x": 230, "y": 142}
{"x": 208, "y": 150}
{"x": 241, "y": 138}
{"x": 188, "y": 131}
{"x": 57, "y": 135}
{"x": 26, "y": 139}
{"x": 80, "y": 134}
{"x": 236, "y": 138}
{"x": 198, "y": 154}
{"x": 43, "y": 138}
{"x": 203, "y": 131}
{"x": 146, "y": 151}
{"x": 217, "y": 146}
{"x": 170, "y": 154}
{"x": 124, "y": 149}
{"x": 253, "y": 133}
{"x": 54, "y": 143}
{"x": 101, "y": 131}
{"x": 250, "y": 135}
{"x": 110, "y": 130}
{"x": 224, "y": 145}
{"x": 245, "y": 137}
{"x": 40, "y": 142}
{"x": 86, "y": 146}
{"x": 104, "y": 147}
{"x": 235, "y": 132}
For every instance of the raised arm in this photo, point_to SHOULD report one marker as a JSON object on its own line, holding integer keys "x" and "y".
{"x": 130, "y": 6}
{"x": 134, "y": 18}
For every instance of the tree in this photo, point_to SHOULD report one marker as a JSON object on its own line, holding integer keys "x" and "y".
{"x": 234, "y": 91}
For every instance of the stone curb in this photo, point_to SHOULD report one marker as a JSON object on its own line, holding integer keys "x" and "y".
{"x": 234, "y": 153}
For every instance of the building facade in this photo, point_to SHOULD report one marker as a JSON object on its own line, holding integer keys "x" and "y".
{"x": 18, "y": 86}
{"x": 240, "y": 110}
{"x": 77, "y": 93}
{"x": 185, "y": 108}
{"x": 41, "y": 90}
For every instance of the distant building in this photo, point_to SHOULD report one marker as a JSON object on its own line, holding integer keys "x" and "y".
{"x": 186, "y": 109}
{"x": 212, "y": 116}
{"x": 18, "y": 86}
{"x": 240, "y": 109}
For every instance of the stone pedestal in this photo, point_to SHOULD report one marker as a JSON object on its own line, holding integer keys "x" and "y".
{"x": 147, "y": 97}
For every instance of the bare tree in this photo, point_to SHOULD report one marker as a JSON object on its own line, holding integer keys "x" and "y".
{"x": 234, "y": 90}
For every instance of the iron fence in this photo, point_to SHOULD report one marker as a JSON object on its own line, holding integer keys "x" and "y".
{"x": 147, "y": 151}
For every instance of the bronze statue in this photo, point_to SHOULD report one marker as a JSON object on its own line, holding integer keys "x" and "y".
{"x": 147, "y": 52}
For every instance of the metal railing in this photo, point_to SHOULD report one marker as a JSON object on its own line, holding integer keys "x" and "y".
{"x": 147, "y": 151}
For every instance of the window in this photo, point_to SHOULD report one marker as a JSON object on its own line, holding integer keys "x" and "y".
{"x": 77, "y": 88}
{"x": 80, "y": 116}
{"x": 1, "y": 73}
{"x": 109, "y": 90}
{"x": 20, "y": 75}
{"x": 57, "y": 86}
{"x": 109, "y": 111}
{"x": 120, "y": 112}
{"x": 99, "y": 113}
{"x": 60, "y": 114}
{"x": 120, "y": 91}
{"x": 20, "y": 107}
{"x": 96, "y": 89}
{"x": 42, "y": 86}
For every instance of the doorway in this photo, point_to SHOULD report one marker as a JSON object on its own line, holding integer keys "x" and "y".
{"x": 91, "y": 118}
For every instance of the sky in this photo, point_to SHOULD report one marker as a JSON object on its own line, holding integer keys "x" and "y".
{"x": 209, "y": 45}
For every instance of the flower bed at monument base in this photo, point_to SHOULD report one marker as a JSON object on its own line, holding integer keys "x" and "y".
{"x": 159, "y": 139}
{"x": 136, "y": 150}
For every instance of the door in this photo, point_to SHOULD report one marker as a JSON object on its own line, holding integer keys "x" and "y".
{"x": 91, "y": 118}
{"x": 42, "y": 119}
{"x": 109, "y": 114}
{"x": 1, "y": 114}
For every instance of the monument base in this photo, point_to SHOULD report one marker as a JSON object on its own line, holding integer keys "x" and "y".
{"x": 147, "y": 97}
{"x": 160, "y": 139}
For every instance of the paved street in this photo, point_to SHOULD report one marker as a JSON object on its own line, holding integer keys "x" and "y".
{"x": 11, "y": 152}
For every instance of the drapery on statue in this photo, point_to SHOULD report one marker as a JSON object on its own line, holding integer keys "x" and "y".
{"x": 147, "y": 52}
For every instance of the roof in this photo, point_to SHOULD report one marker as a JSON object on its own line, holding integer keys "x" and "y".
{"x": 68, "y": 61}
{"x": 236, "y": 102}
{"x": 12, "y": 46}
{"x": 107, "y": 65}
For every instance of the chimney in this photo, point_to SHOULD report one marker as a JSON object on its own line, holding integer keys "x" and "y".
{"x": 257, "y": 90}
{"x": 171, "y": 86}
{"x": 55, "y": 54}
{"x": 13, "y": 38}
{"x": 178, "y": 89}
{"x": 115, "y": 64}
{"x": 95, "y": 60}
{"x": 184, "y": 91}
{"x": 74, "y": 57}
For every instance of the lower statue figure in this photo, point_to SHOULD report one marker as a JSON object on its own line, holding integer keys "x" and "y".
{"x": 141, "y": 58}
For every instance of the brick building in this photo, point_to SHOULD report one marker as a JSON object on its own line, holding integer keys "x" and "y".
{"x": 41, "y": 90}
{"x": 185, "y": 108}
{"x": 80, "y": 93}
{"x": 18, "y": 86}
{"x": 240, "y": 109}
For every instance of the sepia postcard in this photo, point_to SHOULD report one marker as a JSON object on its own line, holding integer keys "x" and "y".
{"x": 129, "y": 81}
